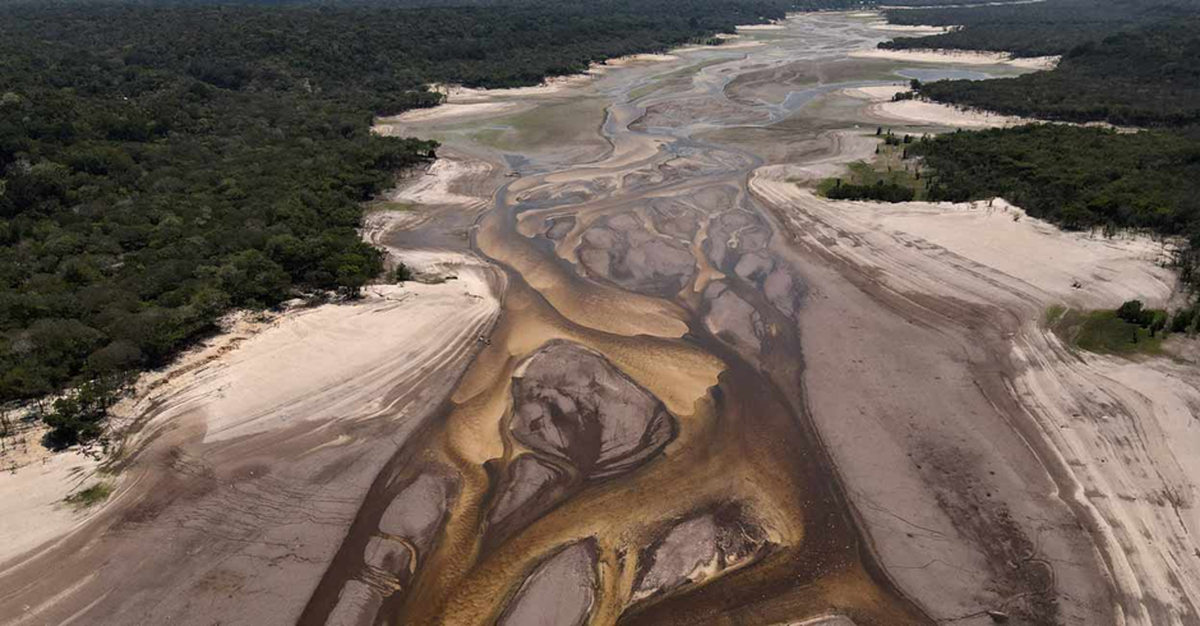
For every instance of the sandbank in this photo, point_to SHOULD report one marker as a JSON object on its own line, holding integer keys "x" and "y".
{"x": 32, "y": 498}
{"x": 912, "y": 29}
{"x": 915, "y": 111}
{"x": 455, "y": 111}
{"x": 434, "y": 185}
{"x": 958, "y": 57}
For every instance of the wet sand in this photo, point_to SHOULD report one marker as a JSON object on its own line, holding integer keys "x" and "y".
{"x": 704, "y": 395}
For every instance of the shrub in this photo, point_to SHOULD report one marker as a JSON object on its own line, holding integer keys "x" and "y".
{"x": 1131, "y": 311}
{"x": 403, "y": 273}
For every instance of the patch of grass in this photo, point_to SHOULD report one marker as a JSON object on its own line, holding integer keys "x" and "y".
{"x": 888, "y": 167}
{"x": 388, "y": 205}
{"x": 1053, "y": 314}
{"x": 489, "y": 136}
{"x": 91, "y": 496}
{"x": 1105, "y": 333}
{"x": 545, "y": 125}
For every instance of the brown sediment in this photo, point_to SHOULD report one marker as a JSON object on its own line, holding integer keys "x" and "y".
{"x": 571, "y": 404}
{"x": 561, "y": 590}
{"x": 622, "y": 251}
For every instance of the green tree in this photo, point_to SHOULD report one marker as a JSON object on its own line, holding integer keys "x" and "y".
{"x": 1131, "y": 311}
{"x": 252, "y": 279}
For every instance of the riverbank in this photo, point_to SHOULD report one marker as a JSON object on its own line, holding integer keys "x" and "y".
{"x": 959, "y": 57}
{"x": 886, "y": 109}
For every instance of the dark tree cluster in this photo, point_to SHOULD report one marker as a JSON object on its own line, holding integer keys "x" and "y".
{"x": 1146, "y": 77}
{"x": 880, "y": 192}
{"x": 1153, "y": 320}
{"x": 160, "y": 165}
{"x": 1034, "y": 29}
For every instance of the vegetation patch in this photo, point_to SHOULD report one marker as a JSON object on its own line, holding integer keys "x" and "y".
{"x": 1031, "y": 29}
{"x": 1146, "y": 77}
{"x": 403, "y": 273}
{"x": 1053, "y": 314}
{"x": 892, "y": 176}
{"x": 1129, "y": 330}
{"x": 389, "y": 205}
{"x": 91, "y": 496}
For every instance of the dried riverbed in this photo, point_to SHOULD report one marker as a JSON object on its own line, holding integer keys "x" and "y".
{"x": 635, "y": 444}
{"x": 674, "y": 387}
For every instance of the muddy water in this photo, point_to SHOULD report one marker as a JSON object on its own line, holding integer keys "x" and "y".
{"x": 632, "y": 445}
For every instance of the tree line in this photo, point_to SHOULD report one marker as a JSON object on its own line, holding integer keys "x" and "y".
{"x": 1080, "y": 178}
{"x": 1045, "y": 28}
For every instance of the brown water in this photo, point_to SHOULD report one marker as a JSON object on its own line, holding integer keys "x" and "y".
{"x": 654, "y": 261}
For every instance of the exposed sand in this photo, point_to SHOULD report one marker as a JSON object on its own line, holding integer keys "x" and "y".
{"x": 455, "y": 110}
{"x": 457, "y": 94}
{"x": 1128, "y": 432}
{"x": 919, "y": 112}
{"x": 32, "y": 496}
{"x": 634, "y": 59}
{"x": 434, "y": 186}
{"x": 958, "y": 57}
{"x": 386, "y": 341}
{"x": 1119, "y": 432}
{"x": 901, "y": 7}
{"x": 912, "y": 29}
{"x": 1050, "y": 261}
{"x": 735, "y": 45}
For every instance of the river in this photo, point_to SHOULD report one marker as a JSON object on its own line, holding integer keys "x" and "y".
{"x": 633, "y": 444}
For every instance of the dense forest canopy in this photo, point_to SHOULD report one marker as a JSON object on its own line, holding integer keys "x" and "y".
{"x": 1034, "y": 29}
{"x": 1145, "y": 77}
{"x": 160, "y": 165}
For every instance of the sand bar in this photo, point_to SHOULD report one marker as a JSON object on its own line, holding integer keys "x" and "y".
{"x": 915, "y": 111}
{"x": 958, "y": 57}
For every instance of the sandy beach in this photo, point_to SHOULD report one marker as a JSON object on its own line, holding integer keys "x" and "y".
{"x": 924, "y": 112}
{"x": 958, "y": 57}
